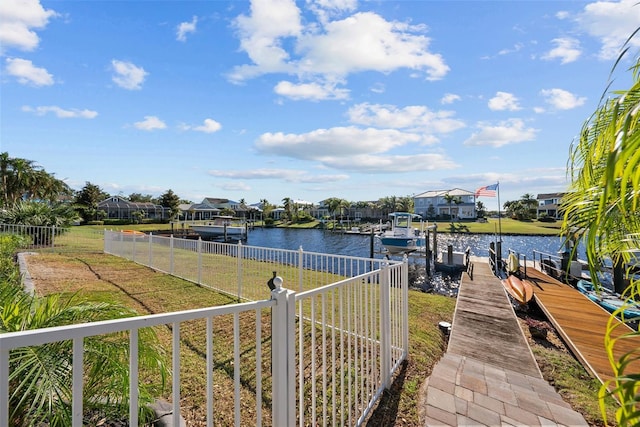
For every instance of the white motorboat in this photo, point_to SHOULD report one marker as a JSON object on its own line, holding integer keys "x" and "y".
{"x": 402, "y": 237}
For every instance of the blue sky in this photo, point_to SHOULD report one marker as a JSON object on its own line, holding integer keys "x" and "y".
{"x": 308, "y": 100}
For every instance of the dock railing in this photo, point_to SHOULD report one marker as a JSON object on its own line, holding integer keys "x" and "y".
{"x": 335, "y": 344}
{"x": 559, "y": 267}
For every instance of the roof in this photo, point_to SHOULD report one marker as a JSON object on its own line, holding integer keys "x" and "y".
{"x": 121, "y": 203}
{"x": 545, "y": 196}
{"x": 437, "y": 193}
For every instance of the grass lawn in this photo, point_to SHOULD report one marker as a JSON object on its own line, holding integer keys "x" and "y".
{"x": 108, "y": 278}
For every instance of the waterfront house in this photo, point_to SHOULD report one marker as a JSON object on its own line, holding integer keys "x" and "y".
{"x": 209, "y": 208}
{"x": 549, "y": 205}
{"x": 121, "y": 208}
{"x": 434, "y": 204}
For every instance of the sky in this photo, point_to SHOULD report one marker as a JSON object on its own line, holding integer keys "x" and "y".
{"x": 274, "y": 99}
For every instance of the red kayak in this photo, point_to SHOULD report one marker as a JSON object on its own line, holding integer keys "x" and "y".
{"x": 520, "y": 290}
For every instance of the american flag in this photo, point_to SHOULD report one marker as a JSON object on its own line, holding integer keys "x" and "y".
{"x": 487, "y": 191}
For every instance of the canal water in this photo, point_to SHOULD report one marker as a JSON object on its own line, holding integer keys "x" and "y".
{"x": 323, "y": 241}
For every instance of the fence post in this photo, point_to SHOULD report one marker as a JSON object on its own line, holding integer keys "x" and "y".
{"x": 151, "y": 250}
{"x": 53, "y": 238}
{"x": 171, "y": 254}
{"x": 199, "y": 260}
{"x": 300, "y": 267}
{"x": 239, "y": 267}
{"x": 405, "y": 305}
{"x": 133, "y": 251}
{"x": 283, "y": 355}
{"x": 385, "y": 327}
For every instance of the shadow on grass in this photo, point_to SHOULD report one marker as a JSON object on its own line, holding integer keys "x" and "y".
{"x": 386, "y": 412}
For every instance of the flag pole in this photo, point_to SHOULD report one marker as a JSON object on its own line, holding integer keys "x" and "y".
{"x": 499, "y": 215}
{"x": 499, "y": 243}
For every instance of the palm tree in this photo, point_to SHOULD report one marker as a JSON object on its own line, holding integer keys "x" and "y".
{"x": 450, "y": 199}
{"x": 287, "y": 204}
{"x": 40, "y": 377}
{"x": 601, "y": 209}
{"x": 23, "y": 179}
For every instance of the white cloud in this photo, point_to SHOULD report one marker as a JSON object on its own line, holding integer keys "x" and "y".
{"x": 329, "y": 50}
{"x": 287, "y": 175}
{"x": 567, "y": 50}
{"x": 413, "y": 117}
{"x": 561, "y": 99}
{"x": 128, "y": 75}
{"x": 61, "y": 112}
{"x": 27, "y": 73}
{"x": 18, "y": 19}
{"x": 326, "y": 9}
{"x": 310, "y": 91}
{"x": 209, "y": 126}
{"x": 368, "y": 163}
{"x": 516, "y": 48}
{"x": 378, "y": 88}
{"x": 185, "y": 28}
{"x": 504, "y": 101}
{"x": 449, "y": 98}
{"x": 512, "y": 131}
{"x": 367, "y": 42}
{"x": 343, "y": 147}
{"x": 334, "y": 142}
{"x": 150, "y": 123}
{"x": 612, "y": 23}
{"x": 261, "y": 35}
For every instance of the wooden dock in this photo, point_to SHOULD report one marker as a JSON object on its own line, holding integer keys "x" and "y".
{"x": 488, "y": 376}
{"x": 485, "y": 326}
{"x": 582, "y": 325}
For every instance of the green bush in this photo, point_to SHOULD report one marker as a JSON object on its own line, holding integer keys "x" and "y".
{"x": 40, "y": 377}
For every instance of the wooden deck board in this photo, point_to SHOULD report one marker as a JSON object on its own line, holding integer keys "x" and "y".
{"x": 581, "y": 324}
{"x": 485, "y": 326}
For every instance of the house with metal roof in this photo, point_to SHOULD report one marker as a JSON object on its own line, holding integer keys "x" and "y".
{"x": 210, "y": 207}
{"x": 435, "y": 204}
{"x": 120, "y": 208}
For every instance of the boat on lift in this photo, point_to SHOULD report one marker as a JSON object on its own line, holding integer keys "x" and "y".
{"x": 402, "y": 237}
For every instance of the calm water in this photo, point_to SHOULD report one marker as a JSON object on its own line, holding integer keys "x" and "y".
{"x": 356, "y": 245}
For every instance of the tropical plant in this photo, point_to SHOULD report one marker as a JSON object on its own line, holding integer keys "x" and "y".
{"x": 40, "y": 214}
{"x": 602, "y": 210}
{"x": 40, "y": 377}
{"x": 523, "y": 209}
{"x": 87, "y": 200}
{"x": 141, "y": 198}
{"x": 481, "y": 210}
{"x": 170, "y": 200}
{"x": 388, "y": 204}
{"x": 451, "y": 199}
{"x": 22, "y": 179}
{"x": 405, "y": 204}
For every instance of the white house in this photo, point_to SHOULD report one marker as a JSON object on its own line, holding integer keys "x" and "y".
{"x": 209, "y": 208}
{"x": 549, "y": 204}
{"x": 434, "y": 204}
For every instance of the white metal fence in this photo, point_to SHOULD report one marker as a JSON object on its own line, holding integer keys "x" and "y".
{"x": 58, "y": 239}
{"x": 335, "y": 343}
{"x": 236, "y": 269}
